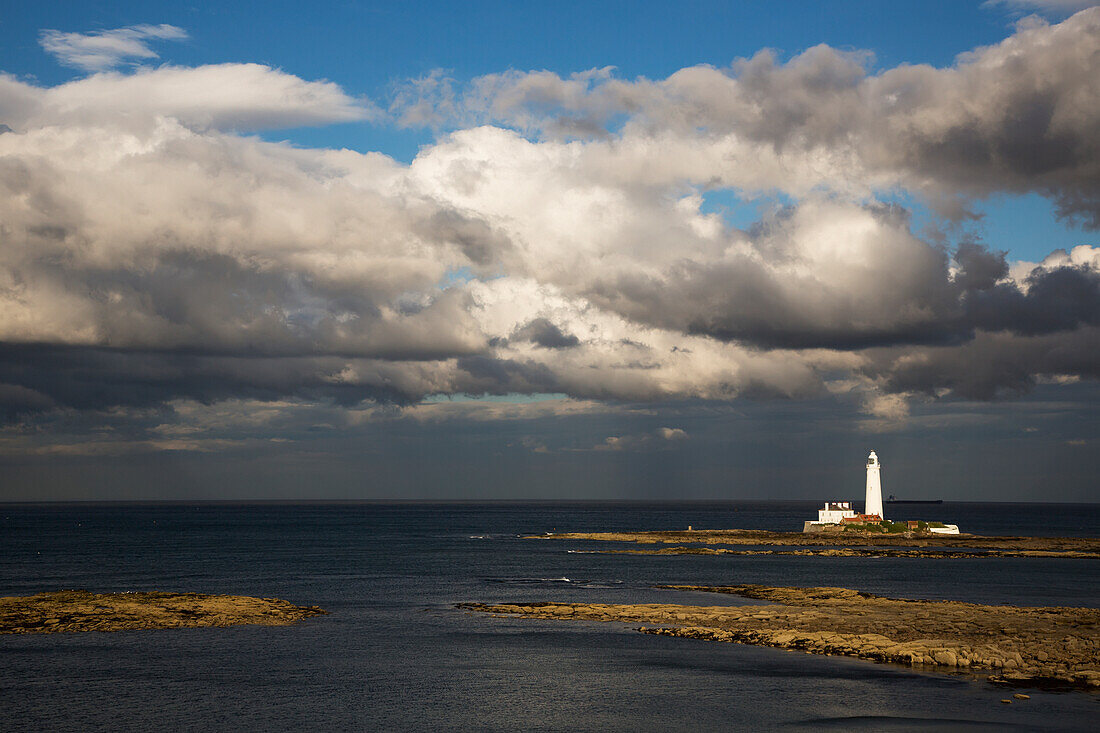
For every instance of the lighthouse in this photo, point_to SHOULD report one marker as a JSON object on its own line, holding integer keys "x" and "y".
{"x": 838, "y": 516}
{"x": 874, "y": 487}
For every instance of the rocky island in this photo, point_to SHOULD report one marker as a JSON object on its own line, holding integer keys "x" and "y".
{"x": 77, "y": 610}
{"x": 1054, "y": 647}
{"x": 935, "y": 554}
{"x": 871, "y": 544}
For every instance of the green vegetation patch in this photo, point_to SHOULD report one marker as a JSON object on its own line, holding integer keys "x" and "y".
{"x": 885, "y": 526}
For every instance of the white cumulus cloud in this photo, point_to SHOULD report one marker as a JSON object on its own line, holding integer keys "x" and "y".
{"x": 151, "y": 254}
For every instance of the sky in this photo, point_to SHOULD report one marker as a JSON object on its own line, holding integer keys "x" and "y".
{"x": 508, "y": 251}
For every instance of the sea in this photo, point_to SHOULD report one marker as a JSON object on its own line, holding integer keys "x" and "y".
{"x": 395, "y": 654}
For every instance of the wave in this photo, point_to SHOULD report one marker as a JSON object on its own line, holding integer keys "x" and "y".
{"x": 529, "y": 580}
{"x": 586, "y": 583}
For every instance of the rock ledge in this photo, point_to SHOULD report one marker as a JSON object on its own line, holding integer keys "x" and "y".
{"x": 78, "y": 610}
{"x": 1054, "y": 647}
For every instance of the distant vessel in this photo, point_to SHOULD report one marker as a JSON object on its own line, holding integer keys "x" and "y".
{"x": 895, "y": 500}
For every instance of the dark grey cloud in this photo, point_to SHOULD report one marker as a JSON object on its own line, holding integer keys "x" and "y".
{"x": 489, "y": 375}
{"x": 905, "y": 292}
{"x": 542, "y": 332}
{"x": 979, "y": 268}
{"x": 191, "y": 300}
{"x": 1056, "y": 300}
{"x": 36, "y": 377}
{"x": 471, "y": 235}
{"x": 992, "y": 365}
{"x": 1031, "y": 128}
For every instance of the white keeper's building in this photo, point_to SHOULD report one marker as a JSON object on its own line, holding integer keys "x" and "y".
{"x": 835, "y": 511}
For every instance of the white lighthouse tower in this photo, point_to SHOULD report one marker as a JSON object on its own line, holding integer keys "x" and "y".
{"x": 874, "y": 487}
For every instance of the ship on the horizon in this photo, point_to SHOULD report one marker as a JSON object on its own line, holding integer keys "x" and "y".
{"x": 895, "y": 500}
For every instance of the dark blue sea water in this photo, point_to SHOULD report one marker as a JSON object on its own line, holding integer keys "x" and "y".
{"x": 395, "y": 655}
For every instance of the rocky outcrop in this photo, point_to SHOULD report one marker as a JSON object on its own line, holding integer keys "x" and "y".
{"x": 1026, "y": 646}
{"x": 72, "y": 611}
{"x": 741, "y": 537}
{"x": 948, "y": 554}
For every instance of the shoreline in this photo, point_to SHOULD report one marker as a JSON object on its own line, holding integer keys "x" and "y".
{"x": 1047, "y": 647}
{"x": 78, "y": 611}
